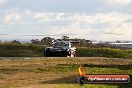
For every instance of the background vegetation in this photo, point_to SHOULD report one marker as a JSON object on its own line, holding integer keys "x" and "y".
{"x": 20, "y": 50}
{"x": 103, "y": 52}
{"x": 32, "y": 50}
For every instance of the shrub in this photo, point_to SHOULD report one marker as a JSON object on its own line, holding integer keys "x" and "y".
{"x": 20, "y": 50}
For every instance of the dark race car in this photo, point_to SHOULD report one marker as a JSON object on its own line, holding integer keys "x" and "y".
{"x": 60, "y": 48}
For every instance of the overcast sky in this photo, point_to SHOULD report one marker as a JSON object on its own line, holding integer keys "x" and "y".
{"x": 89, "y": 19}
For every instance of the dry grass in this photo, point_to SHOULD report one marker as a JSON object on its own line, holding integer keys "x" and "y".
{"x": 57, "y": 72}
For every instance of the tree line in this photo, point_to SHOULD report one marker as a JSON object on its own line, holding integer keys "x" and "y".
{"x": 82, "y": 42}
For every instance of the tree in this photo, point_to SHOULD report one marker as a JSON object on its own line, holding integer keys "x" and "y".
{"x": 47, "y": 41}
{"x": 65, "y": 38}
{"x": 82, "y": 42}
{"x": 35, "y": 41}
{"x": 15, "y": 42}
{"x": 118, "y": 41}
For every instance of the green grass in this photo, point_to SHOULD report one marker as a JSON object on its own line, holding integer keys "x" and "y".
{"x": 103, "y": 52}
{"x": 30, "y": 50}
{"x": 21, "y": 50}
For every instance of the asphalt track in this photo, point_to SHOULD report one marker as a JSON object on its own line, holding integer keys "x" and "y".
{"x": 100, "y": 59}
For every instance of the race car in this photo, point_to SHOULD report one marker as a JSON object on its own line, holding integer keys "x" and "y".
{"x": 61, "y": 49}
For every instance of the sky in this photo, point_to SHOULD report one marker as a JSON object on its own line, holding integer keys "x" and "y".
{"x": 107, "y": 20}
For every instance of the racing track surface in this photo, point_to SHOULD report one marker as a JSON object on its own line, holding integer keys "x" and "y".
{"x": 97, "y": 60}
